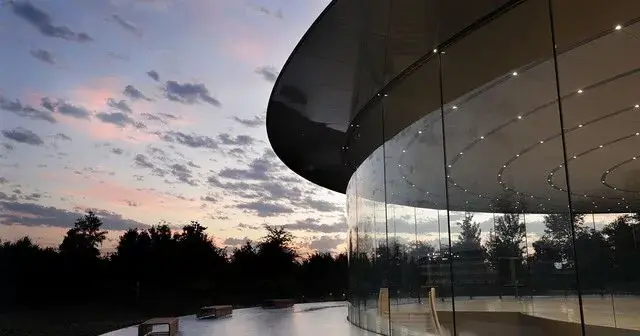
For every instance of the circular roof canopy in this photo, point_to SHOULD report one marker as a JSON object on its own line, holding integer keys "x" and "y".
{"x": 503, "y": 136}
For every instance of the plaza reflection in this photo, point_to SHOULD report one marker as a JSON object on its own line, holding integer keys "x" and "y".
{"x": 509, "y": 204}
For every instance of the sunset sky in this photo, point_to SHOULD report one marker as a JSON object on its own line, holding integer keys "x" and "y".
{"x": 148, "y": 111}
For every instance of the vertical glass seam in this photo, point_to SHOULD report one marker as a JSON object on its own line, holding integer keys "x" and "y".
{"x": 446, "y": 193}
{"x": 565, "y": 165}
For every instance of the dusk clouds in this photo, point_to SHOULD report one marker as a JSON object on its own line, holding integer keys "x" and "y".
{"x": 124, "y": 107}
{"x": 40, "y": 20}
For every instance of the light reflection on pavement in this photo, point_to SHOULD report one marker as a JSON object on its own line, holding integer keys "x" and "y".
{"x": 308, "y": 319}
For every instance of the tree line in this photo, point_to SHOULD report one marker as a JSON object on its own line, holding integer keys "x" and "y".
{"x": 568, "y": 256}
{"x": 160, "y": 266}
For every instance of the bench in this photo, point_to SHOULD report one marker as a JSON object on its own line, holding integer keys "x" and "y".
{"x": 146, "y": 327}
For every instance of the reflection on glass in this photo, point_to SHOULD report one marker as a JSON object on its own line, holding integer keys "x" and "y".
{"x": 501, "y": 196}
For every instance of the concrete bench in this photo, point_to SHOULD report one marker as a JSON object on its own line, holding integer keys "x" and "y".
{"x": 146, "y": 327}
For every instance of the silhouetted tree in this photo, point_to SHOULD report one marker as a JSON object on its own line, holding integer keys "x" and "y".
{"x": 84, "y": 239}
{"x": 505, "y": 248}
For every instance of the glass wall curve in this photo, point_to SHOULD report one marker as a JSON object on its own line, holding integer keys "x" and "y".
{"x": 495, "y": 187}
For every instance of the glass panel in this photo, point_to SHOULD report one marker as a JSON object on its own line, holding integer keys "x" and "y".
{"x": 501, "y": 126}
{"x": 416, "y": 205}
{"x": 367, "y": 218}
{"x": 601, "y": 115}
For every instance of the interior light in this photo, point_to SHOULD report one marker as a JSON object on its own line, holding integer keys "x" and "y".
{"x": 580, "y": 91}
{"x": 419, "y": 132}
{"x": 600, "y": 146}
{"x": 541, "y": 141}
{"x": 519, "y": 117}
{"x": 482, "y": 137}
{"x": 461, "y": 153}
{"x": 618, "y": 27}
{"x": 580, "y": 125}
{"x": 637, "y": 106}
{"x": 575, "y": 157}
{"x": 454, "y": 107}
{"x": 637, "y": 133}
{"x": 515, "y": 73}
{"x": 634, "y": 157}
{"x": 386, "y": 95}
{"x": 449, "y": 166}
{"x": 404, "y": 151}
{"x": 517, "y": 155}
{"x": 435, "y": 51}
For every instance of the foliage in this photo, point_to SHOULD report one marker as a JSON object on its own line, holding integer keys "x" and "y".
{"x": 161, "y": 266}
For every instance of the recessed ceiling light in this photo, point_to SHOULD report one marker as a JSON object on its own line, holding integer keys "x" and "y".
{"x": 517, "y": 155}
{"x": 519, "y": 117}
{"x": 580, "y": 91}
{"x": 575, "y": 157}
{"x": 449, "y": 166}
{"x": 600, "y": 146}
{"x": 541, "y": 141}
{"x": 515, "y": 73}
{"x": 618, "y": 27}
{"x": 580, "y": 125}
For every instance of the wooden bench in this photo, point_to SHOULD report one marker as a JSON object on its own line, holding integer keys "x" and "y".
{"x": 278, "y": 303}
{"x": 146, "y": 327}
{"x": 214, "y": 312}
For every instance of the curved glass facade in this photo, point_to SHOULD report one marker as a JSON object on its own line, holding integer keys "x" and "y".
{"x": 498, "y": 174}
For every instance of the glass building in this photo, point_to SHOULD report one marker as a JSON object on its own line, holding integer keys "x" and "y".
{"x": 487, "y": 150}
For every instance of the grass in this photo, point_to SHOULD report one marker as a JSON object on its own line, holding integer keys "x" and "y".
{"x": 69, "y": 321}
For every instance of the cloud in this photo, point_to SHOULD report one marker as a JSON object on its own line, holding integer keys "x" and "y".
{"x": 208, "y": 198}
{"x": 264, "y": 10}
{"x": 152, "y": 117}
{"x": 3, "y": 180}
{"x": 43, "y": 55}
{"x": 64, "y": 108}
{"x": 189, "y": 140}
{"x": 25, "y": 111}
{"x": 119, "y": 105}
{"x": 154, "y": 75}
{"x": 313, "y": 225}
{"x": 243, "y": 226}
{"x": 231, "y": 241}
{"x": 62, "y": 136}
{"x": 318, "y": 205}
{"x": 189, "y": 93}
{"x": 128, "y": 26}
{"x": 253, "y": 122}
{"x": 240, "y": 140}
{"x": 258, "y": 170}
{"x": 265, "y": 209}
{"x": 117, "y": 118}
{"x": 117, "y": 151}
{"x": 44, "y": 23}
{"x": 24, "y": 136}
{"x": 29, "y": 214}
{"x": 268, "y": 73}
{"x": 133, "y": 93}
{"x": 142, "y": 161}
{"x": 326, "y": 243}
{"x": 183, "y": 174}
